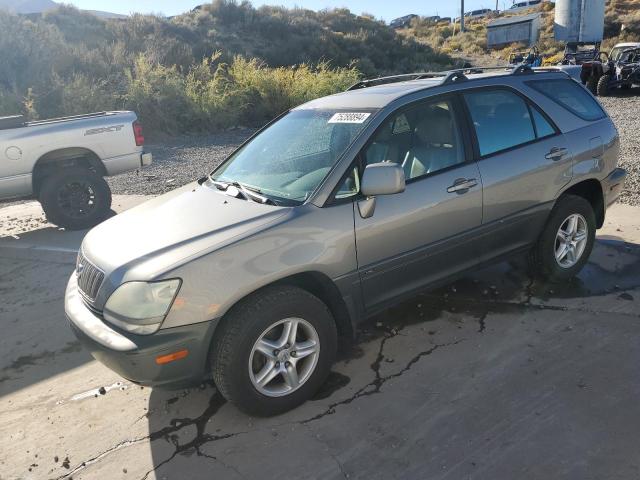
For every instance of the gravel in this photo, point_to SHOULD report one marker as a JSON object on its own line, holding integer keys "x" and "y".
{"x": 178, "y": 161}
{"x": 624, "y": 109}
{"x": 181, "y": 160}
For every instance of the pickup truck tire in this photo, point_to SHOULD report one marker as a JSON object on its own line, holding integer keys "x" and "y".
{"x": 75, "y": 198}
{"x": 263, "y": 323}
{"x": 575, "y": 216}
{"x": 602, "y": 88}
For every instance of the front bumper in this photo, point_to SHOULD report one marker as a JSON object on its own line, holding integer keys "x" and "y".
{"x": 613, "y": 185}
{"x": 134, "y": 356}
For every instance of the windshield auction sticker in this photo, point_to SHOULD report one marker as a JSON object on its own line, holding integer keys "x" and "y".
{"x": 349, "y": 117}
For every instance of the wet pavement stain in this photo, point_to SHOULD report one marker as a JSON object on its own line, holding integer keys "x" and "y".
{"x": 30, "y": 360}
{"x": 25, "y": 361}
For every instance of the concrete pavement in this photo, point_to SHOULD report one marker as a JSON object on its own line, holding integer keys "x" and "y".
{"x": 494, "y": 376}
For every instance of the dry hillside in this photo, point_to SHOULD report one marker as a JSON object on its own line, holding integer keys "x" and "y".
{"x": 622, "y": 23}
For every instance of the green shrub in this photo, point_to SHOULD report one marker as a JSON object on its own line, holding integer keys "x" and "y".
{"x": 215, "y": 94}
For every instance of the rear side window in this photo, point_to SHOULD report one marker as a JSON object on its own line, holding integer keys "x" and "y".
{"x": 501, "y": 120}
{"x": 543, "y": 127}
{"x": 571, "y": 96}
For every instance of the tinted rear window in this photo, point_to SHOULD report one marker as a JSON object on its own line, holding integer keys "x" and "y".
{"x": 571, "y": 96}
{"x": 501, "y": 119}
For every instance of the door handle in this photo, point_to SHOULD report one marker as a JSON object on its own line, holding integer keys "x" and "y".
{"x": 462, "y": 185}
{"x": 556, "y": 153}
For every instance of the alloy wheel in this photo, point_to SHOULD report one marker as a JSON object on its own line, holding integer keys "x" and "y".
{"x": 284, "y": 357}
{"x": 571, "y": 240}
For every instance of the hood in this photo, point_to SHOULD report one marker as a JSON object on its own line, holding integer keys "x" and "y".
{"x": 164, "y": 231}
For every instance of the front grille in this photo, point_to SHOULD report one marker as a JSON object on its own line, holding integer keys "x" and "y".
{"x": 89, "y": 278}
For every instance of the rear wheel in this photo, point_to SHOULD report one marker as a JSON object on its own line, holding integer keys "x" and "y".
{"x": 75, "y": 198}
{"x": 273, "y": 351}
{"x": 602, "y": 87}
{"x": 566, "y": 241}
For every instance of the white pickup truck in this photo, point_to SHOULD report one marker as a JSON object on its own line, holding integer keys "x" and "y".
{"x": 63, "y": 161}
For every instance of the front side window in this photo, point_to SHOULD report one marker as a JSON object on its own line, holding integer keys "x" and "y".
{"x": 501, "y": 120}
{"x": 289, "y": 159}
{"x": 571, "y": 96}
{"x": 423, "y": 139}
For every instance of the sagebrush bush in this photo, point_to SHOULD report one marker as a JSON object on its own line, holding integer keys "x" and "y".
{"x": 215, "y": 94}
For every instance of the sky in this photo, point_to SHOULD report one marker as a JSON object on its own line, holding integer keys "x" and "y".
{"x": 384, "y": 9}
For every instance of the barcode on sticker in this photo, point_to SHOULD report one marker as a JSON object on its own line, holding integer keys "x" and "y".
{"x": 349, "y": 117}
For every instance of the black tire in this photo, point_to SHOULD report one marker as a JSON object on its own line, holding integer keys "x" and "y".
{"x": 602, "y": 89}
{"x": 592, "y": 84}
{"x": 542, "y": 258}
{"x": 75, "y": 198}
{"x": 241, "y": 328}
{"x": 625, "y": 86}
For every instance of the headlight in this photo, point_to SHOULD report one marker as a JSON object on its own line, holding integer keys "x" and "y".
{"x": 140, "y": 307}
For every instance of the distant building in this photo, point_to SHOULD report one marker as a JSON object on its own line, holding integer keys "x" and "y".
{"x": 403, "y": 22}
{"x": 524, "y": 28}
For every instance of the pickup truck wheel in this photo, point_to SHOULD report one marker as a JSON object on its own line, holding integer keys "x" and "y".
{"x": 274, "y": 350}
{"x": 602, "y": 88}
{"x": 566, "y": 241}
{"x": 75, "y": 198}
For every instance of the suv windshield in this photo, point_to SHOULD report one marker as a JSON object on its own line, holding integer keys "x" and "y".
{"x": 624, "y": 54}
{"x": 290, "y": 158}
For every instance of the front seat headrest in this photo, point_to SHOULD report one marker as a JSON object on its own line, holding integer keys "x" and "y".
{"x": 436, "y": 128}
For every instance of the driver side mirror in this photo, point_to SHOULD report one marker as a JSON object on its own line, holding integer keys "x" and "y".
{"x": 384, "y": 178}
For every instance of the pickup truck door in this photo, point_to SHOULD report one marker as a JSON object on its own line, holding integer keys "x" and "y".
{"x": 524, "y": 161}
{"x": 425, "y": 233}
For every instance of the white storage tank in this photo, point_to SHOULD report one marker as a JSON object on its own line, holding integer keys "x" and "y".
{"x": 579, "y": 20}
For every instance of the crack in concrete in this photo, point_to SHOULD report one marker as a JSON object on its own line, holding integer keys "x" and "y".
{"x": 482, "y": 322}
{"x": 376, "y": 384}
{"x": 100, "y": 456}
{"x": 168, "y": 433}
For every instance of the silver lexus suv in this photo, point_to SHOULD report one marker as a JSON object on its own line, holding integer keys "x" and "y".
{"x": 333, "y": 212}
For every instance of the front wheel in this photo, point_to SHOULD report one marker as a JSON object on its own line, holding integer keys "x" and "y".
{"x": 566, "y": 241}
{"x": 603, "y": 85}
{"x": 75, "y": 198}
{"x": 273, "y": 351}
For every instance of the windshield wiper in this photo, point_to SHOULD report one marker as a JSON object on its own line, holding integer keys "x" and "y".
{"x": 248, "y": 192}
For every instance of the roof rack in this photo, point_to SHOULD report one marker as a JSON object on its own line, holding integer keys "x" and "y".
{"x": 448, "y": 76}
{"x": 372, "y": 82}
